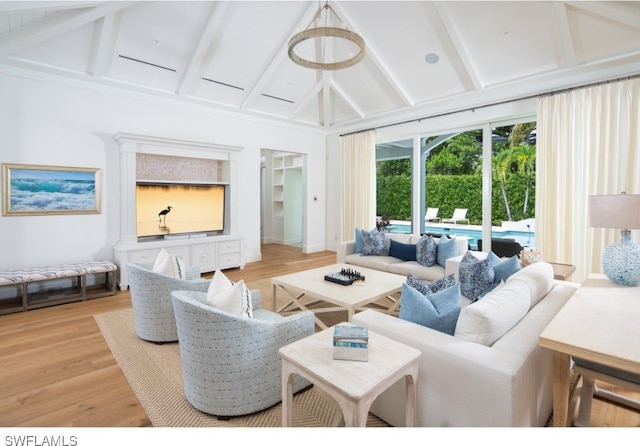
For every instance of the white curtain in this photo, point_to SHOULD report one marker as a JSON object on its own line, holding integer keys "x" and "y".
{"x": 588, "y": 143}
{"x": 358, "y": 176}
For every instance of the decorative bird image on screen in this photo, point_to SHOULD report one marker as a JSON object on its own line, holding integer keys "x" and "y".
{"x": 172, "y": 208}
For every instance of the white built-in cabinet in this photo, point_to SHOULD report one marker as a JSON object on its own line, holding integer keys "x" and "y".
{"x": 215, "y": 162}
{"x": 287, "y": 198}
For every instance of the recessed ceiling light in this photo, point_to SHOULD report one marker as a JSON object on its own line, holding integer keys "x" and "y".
{"x": 432, "y": 58}
{"x": 505, "y": 32}
{"x": 157, "y": 41}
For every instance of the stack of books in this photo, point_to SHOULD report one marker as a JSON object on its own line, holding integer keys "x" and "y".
{"x": 351, "y": 343}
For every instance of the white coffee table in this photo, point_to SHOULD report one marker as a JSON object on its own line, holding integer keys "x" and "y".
{"x": 311, "y": 283}
{"x": 353, "y": 384}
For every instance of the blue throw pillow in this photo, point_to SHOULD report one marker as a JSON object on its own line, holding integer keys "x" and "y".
{"x": 402, "y": 251}
{"x": 373, "y": 243}
{"x": 447, "y": 247}
{"x": 476, "y": 276}
{"x": 494, "y": 259}
{"x": 358, "y": 240}
{"x": 438, "y": 311}
{"x": 426, "y": 251}
{"x": 506, "y": 268}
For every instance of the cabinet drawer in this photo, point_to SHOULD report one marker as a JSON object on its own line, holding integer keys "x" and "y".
{"x": 204, "y": 256}
{"x": 228, "y": 246}
{"x": 228, "y": 260}
{"x": 150, "y": 255}
{"x": 143, "y": 256}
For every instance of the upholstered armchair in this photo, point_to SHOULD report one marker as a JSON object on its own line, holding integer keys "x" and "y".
{"x": 230, "y": 363}
{"x": 151, "y": 300}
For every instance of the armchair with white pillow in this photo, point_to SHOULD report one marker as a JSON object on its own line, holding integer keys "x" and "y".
{"x": 229, "y": 350}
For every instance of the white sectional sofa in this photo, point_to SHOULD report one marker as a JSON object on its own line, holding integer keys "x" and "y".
{"x": 346, "y": 254}
{"x": 501, "y": 383}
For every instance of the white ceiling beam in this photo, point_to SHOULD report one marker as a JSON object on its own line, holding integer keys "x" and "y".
{"x": 344, "y": 97}
{"x": 624, "y": 12}
{"x": 326, "y": 100}
{"x": 374, "y": 55}
{"x": 55, "y": 25}
{"x": 280, "y": 55}
{"x": 567, "y": 52}
{"x": 44, "y": 6}
{"x": 102, "y": 45}
{"x": 442, "y": 19}
{"x": 204, "y": 48}
{"x": 309, "y": 97}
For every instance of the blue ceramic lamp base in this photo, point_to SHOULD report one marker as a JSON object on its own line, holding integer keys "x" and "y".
{"x": 621, "y": 261}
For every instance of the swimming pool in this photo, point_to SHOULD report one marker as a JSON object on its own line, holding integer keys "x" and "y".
{"x": 525, "y": 238}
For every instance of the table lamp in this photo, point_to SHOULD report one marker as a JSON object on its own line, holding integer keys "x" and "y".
{"x": 620, "y": 260}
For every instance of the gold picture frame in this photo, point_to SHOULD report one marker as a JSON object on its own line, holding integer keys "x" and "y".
{"x": 50, "y": 190}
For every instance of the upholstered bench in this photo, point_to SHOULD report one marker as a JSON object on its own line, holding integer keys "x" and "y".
{"x": 29, "y": 288}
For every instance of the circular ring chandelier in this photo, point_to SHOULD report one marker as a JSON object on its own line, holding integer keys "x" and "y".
{"x": 326, "y": 31}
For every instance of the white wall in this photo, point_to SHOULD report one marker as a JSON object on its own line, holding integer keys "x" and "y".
{"x": 55, "y": 122}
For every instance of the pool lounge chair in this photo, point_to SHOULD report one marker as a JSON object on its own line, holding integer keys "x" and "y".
{"x": 432, "y": 215}
{"x": 458, "y": 216}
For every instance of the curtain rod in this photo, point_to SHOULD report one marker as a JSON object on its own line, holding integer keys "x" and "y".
{"x": 538, "y": 95}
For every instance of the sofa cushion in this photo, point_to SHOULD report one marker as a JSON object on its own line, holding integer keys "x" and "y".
{"x": 426, "y": 249}
{"x": 488, "y": 319}
{"x": 447, "y": 247}
{"x": 402, "y": 251}
{"x": 373, "y": 243}
{"x": 381, "y": 263}
{"x": 476, "y": 276}
{"x": 403, "y": 268}
{"x": 539, "y": 279}
{"x": 438, "y": 311}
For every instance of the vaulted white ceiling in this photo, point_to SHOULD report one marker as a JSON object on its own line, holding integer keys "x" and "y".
{"x": 233, "y": 55}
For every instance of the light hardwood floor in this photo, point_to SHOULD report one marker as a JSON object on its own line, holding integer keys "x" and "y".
{"x": 57, "y": 370}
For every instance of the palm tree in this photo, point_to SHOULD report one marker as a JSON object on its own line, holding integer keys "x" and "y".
{"x": 525, "y": 157}
{"x": 501, "y": 165}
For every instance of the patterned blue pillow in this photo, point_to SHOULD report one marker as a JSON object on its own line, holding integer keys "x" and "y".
{"x": 418, "y": 283}
{"x": 438, "y": 311}
{"x": 447, "y": 247}
{"x": 426, "y": 251}
{"x": 373, "y": 243}
{"x": 441, "y": 284}
{"x": 476, "y": 276}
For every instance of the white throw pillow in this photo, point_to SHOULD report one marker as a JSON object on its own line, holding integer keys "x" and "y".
{"x": 169, "y": 265}
{"x": 227, "y": 296}
{"x": 488, "y": 319}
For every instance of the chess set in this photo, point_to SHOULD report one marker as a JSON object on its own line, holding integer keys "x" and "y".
{"x": 346, "y": 276}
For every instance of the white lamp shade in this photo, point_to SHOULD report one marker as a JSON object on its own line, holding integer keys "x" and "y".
{"x": 620, "y": 211}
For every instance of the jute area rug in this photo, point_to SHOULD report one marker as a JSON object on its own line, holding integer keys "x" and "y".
{"x": 155, "y": 376}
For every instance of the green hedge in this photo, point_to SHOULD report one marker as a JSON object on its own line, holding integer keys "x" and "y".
{"x": 448, "y": 192}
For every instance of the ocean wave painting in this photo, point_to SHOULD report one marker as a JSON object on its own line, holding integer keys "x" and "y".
{"x": 53, "y": 191}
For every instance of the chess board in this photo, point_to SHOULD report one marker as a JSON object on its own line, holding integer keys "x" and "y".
{"x": 344, "y": 277}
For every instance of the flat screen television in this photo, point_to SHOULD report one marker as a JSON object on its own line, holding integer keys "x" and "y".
{"x": 164, "y": 209}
